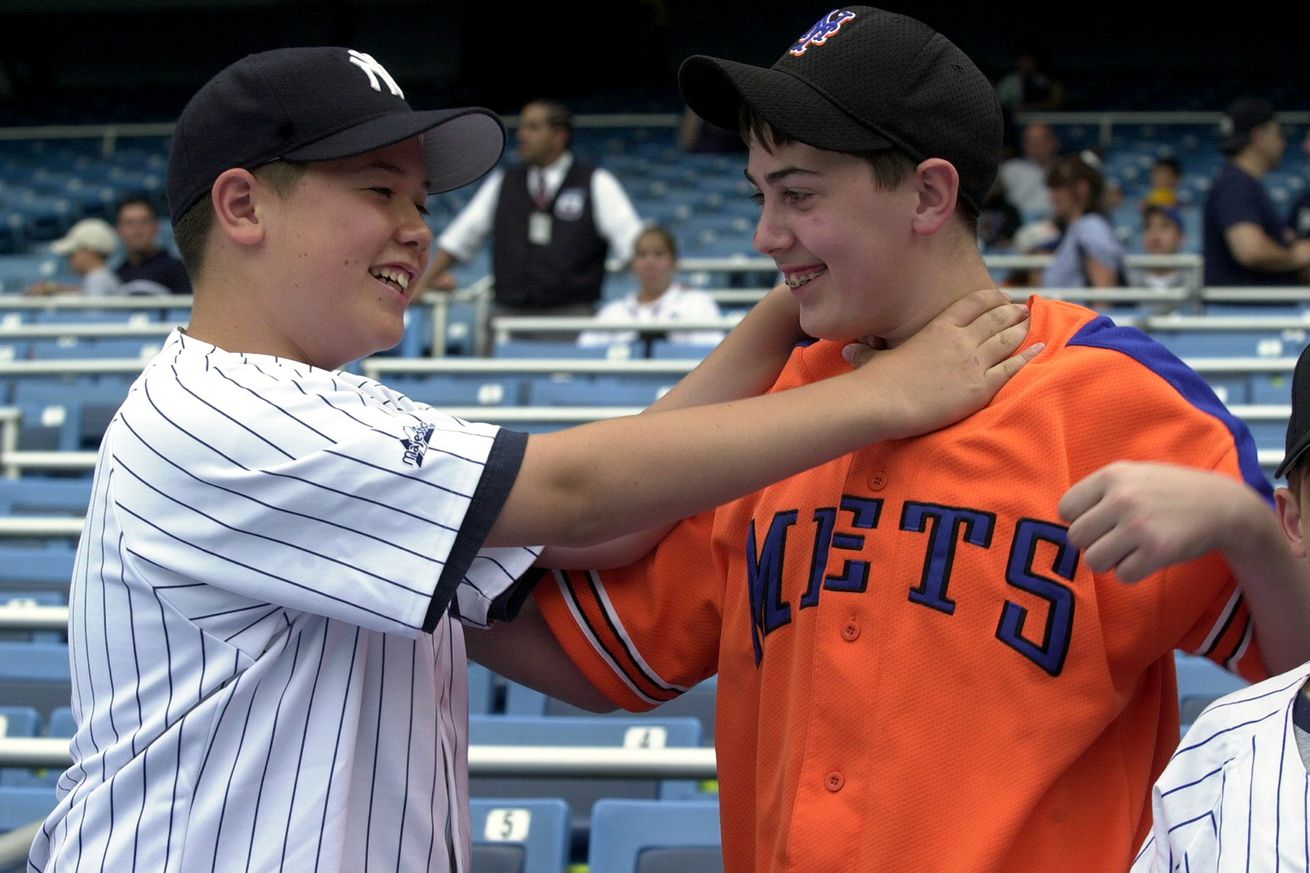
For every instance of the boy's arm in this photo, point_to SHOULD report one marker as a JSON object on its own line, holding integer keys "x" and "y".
{"x": 592, "y": 483}
{"x": 745, "y": 364}
{"x": 526, "y": 651}
{"x": 1137, "y": 518}
{"x": 748, "y": 360}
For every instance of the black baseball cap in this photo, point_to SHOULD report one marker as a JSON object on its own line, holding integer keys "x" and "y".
{"x": 1242, "y": 117}
{"x": 317, "y": 104}
{"x": 1298, "y": 426}
{"x": 863, "y": 79}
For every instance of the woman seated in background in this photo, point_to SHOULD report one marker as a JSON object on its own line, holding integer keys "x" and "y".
{"x": 659, "y": 297}
{"x": 1089, "y": 254}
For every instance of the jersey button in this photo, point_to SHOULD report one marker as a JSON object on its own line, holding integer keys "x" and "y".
{"x": 834, "y": 781}
{"x": 850, "y": 631}
{"x": 878, "y": 480}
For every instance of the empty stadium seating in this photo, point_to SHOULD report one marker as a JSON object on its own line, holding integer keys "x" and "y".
{"x": 706, "y": 200}
{"x": 633, "y": 836}
{"x": 514, "y": 835}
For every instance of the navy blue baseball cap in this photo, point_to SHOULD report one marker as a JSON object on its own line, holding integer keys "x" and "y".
{"x": 317, "y": 104}
{"x": 863, "y": 79}
{"x": 1298, "y": 426}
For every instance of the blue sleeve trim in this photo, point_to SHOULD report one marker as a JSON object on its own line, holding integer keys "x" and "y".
{"x": 1102, "y": 333}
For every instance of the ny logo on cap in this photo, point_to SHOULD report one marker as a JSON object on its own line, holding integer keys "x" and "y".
{"x": 375, "y": 71}
{"x": 822, "y": 31}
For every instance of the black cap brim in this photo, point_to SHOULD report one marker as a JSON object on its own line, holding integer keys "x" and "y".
{"x": 716, "y": 89}
{"x": 459, "y": 145}
{"x": 1293, "y": 456}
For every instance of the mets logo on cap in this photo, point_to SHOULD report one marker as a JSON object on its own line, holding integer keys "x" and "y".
{"x": 822, "y": 31}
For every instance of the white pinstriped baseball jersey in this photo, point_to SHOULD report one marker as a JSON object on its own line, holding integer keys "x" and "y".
{"x": 1235, "y": 795}
{"x": 265, "y": 675}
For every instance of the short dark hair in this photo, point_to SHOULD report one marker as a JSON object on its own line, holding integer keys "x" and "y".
{"x": 663, "y": 233}
{"x": 137, "y": 199}
{"x": 192, "y": 229}
{"x": 1071, "y": 169}
{"x": 891, "y": 167}
{"x": 1295, "y": 476}
{"x": 1171, "y": 164}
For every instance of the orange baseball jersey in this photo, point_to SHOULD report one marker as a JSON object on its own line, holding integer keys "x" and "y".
{"x": 916, "y": 671}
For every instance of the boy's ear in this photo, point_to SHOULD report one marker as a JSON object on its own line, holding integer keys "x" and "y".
{"x": 1289, "y": 519}
{"x": 235, "y": 195}
{"x": 939, "y": 187}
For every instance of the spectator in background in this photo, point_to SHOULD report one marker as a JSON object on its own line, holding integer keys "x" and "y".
{"x": 554, "y": 219}
{"x": 1024, "y": 178}
{"x": 1028, "y": 87}
{"x": 146, "y": 268}
{"x": 1162, "y": 234}
{"x": 1166, "y": 176}
{"x": 1089, "y": 255}
{"x": 1245, "y": 239}
{"x": 660, "y": 297}
{"x": 88, "y": 246}
{"x": 1298, "y": 217}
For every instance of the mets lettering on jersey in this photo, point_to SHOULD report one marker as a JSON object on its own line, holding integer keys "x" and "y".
{"x": 945, "y": 528}
{"x": 905, "y": 638}
{"x": 265, "y": 672}
{"x": 1235, "y": 796}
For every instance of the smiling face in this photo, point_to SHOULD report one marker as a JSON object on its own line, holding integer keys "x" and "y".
{"x": 841, "y": 242}
{"x": 346, "y": 247}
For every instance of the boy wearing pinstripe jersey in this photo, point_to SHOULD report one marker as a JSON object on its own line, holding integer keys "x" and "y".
{"x": 1235, "y": 795}
{"x": 266, "y": 673}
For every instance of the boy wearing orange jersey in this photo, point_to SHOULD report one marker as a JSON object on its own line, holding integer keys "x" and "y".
{"x": 917, "y": 669}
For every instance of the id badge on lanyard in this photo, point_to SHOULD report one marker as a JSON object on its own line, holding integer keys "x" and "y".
{"x": 539, "y": 228}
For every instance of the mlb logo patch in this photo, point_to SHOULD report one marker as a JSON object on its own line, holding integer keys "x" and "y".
{"x": 823, "y": 30}
{"x": 570, "y": 203}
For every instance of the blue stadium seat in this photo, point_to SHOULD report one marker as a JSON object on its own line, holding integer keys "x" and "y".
{"x": 18, "y": 721}
{"x": 520, "y": 835}
{"x": 1227, "y": 343}
{"x": 41, "y": 496}
{"x": 17, "y": 271}
{"x": 98, "y": 396}
{"x": 50, "y": 427}
{"x": 36, "y": 569}
{"x": 582, "y": 793}
{"x": 550, "y": 350}
{"x": 61, "y": 723}
{"x": 634, "y": 836}
{"x": 563, "y": 389}
{"x": 441, "y": 390}
{"x": 96, "y": 348}
{"x": 667, "y": 349}
{"x": 1271, "y": 388}
{"x": 1271, "y": 435}
{"x": 482, "y": 684}
{"x": 1234, "y": 389}
{"x": 1201, "y": 682}
{"x": 35, "y": 674}
{"x": 22, "y": 805}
